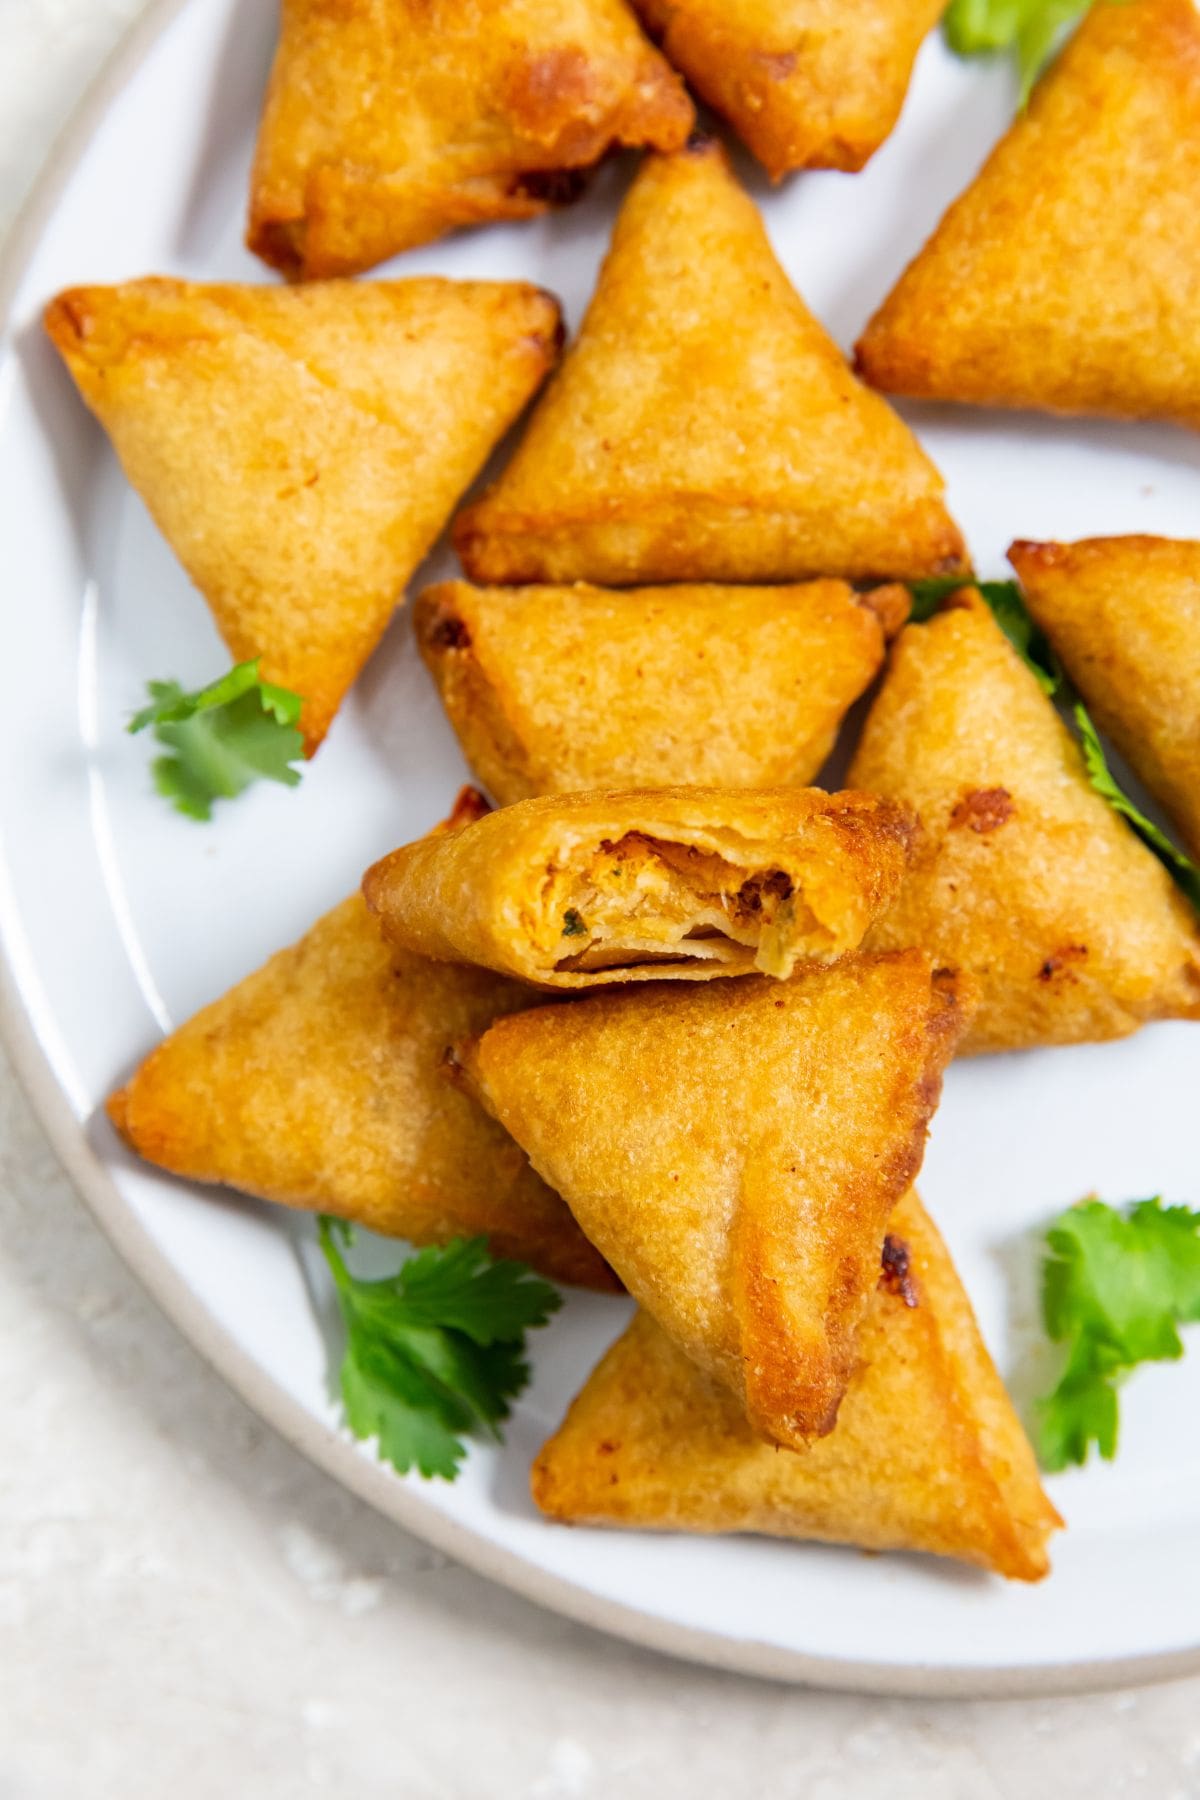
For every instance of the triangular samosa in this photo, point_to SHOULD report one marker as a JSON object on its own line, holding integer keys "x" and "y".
{"x": 301, "y": 449}
{"x": 1023, "y": 875}
{"x": 1124, "y": 616}
{"x": 390, "y": 122}
{"x": 928, "y": 1453}
{"x": 807, "y": 84}
{"x": 704, "y": 426}
{"x": 318, "y": 1082}
{"x": 735, "y": 1150}
{"x": 1067, "y": 277}
{"x": 558, "y": 690}
{"x": 584, "y": 890}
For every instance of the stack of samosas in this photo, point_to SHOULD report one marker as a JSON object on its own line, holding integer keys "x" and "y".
{"x": 672, "y": 1020}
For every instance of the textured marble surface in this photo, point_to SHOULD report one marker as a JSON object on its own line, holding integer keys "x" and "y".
{"x": 188, "y": 1609}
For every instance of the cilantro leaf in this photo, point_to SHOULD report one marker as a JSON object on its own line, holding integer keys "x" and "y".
{"x": 222, "y": 737}
{"x": 1116, "y": 1286}
{"x": 436, "y": 1350}
{"x": 1031, "y": 29}
{"x": 1179, "y": 866}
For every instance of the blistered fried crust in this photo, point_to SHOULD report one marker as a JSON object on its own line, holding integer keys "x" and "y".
{"x": 1023, "y": 874}
{"x": 734, "y": 1152}
{"x": 1067, "y": 277}
{"x": 560, "y": 690}
{"x": 705, "y": 427}
{"x": 317, "y": 1082}
{"x": 391, "y": 122}
{"x": 806, "y": 84}
{"x": 578, "y": 890}
{"x": 301, "y": 449}
{"x": 1124, "y": 616}
{"x": 928, "y": 1453}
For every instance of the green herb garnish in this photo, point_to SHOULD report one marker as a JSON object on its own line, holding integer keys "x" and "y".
{"x": 435, "y": 1350}
{"x": 221, "y": 738}
{"x": 1031, "y": 29}
{"x": 573, "y": 925}
{"x": 1116, "y": 1286}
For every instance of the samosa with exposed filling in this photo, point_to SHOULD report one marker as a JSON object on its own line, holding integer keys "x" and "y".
{"x": 388, "y": 123}
{"x": 734, "y": 1152}
{"x": 806, "y": 84}
{"x": 581, "y": 890}
{"x": 704, "y": 426}
{"x": 1024, "y": 875}
{"x": 1067, "y": 278}
{"x": 927, "y": 1455}
{"x": 565, "y": 689}
{"x": 301, "y": 449}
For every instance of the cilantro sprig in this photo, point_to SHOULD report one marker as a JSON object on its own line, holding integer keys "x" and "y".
{"x": 1033, "y": 647}
{"x": 1031, "y": 29}
{"x": 221, "y": 738}
{"x": 1116, "y": 1287}
{"x": 436, "y": 1350}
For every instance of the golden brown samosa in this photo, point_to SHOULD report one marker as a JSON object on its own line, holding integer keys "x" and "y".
{"x": 1023, "y": 874}
{"x": 1067, "y": 277}
{"x": 704, "y": 426}
{"x": 391, "y": 122}
{"x": 1124, "y": 616}
{"x": 301, "y": 449}
{"x": 560, "y": 690}
{"x": 807, "y": 84}
{"x": 734, "y": 1151}
{"x": 581, "y": 890}
{"x": 318, "y": 1082}
{"x": 928, "y": 1453}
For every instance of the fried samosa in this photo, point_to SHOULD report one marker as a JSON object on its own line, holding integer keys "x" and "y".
{"x": 561, "y": 690}
{"x": 391, "y": 122}
{"x": 1067, "y": 277}
{"x": 704, "y": 426}
{"x": 581, "y": 890}
{"x": 318, "y": 1083}
{"x": 928, "y": 1453}
{"x": 301, "y": 449}
{"x": 734, "y": 1152}
{"x": 1023, "y": 874}
{"x": 806, "y": 84}
{"x": 1124, "y": 616}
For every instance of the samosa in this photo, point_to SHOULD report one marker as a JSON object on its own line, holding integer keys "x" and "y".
{"x": 1067, "y": 277}
{"x": 734, "y": 1151}
{"x": 581, "y": 890}
{"x": 388, "y": 123}
{"x": 1023, "y": 874}
{"x": 928, "y": 1453}
{"x": 564, "y": 689}
{"x": 806, "y": 84}
{"x": 318, "y": 1082}
{"x": 301, "y": 449}
{"x": 704, "y": 426}
{"x": 1124, "y": 616}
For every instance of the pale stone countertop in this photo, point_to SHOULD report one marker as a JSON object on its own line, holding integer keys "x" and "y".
{"x": 187, "y": 1609}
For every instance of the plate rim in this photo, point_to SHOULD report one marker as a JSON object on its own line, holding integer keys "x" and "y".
{"x": 330, "y": 1450}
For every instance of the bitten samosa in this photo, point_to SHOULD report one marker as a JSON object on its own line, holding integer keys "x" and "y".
{"x": 318, "y": 1083}
{"x": 704, "y": 426}
{"x": 390, "y": 122}
{"x": 1023, "y": 874}
{"x": 1124, "y": 616}
{"x": 558, "y": 690}
{"x": 580, "y": 890}
{"x": 301, "y": 449}
{"x": 807, "y": 84}
{"x": 734, "y": 1152}
{"x": 1067, "y": 277}
{"x": 928, "y": 1453}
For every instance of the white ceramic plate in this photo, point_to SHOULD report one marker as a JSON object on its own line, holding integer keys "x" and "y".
{"x": 119, "y": 918}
